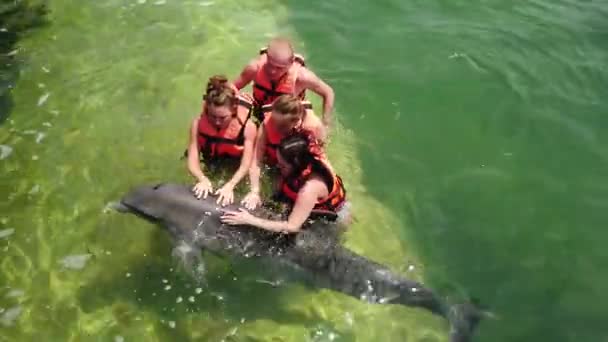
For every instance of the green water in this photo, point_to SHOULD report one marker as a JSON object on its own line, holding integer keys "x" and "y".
{"x": 469, "y": 137}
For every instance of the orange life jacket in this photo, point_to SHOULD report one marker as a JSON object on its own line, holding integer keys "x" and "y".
{"x": 229, "y": 141}
{"x": 273, "y": 136}
{"x": 266, "y": 91}
{"x": 337, "y": 193}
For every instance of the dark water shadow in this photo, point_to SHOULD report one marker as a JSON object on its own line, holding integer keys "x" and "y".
{"x": 228, "y": 295}
{"x": 491, "y": 207}
{"x": 17, "y": 18}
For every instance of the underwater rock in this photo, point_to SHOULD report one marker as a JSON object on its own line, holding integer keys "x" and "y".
{"x": 75, "y": 262}
{"x": 6, "y": 232}
{"x": 5, "y": 151}
{"x": 9, "y": 317}
{"x": 15, "y": 293}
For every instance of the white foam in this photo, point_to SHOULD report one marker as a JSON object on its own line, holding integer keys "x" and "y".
{"x": 43, "y": 99}
{"x": 34, "y": 190}
{"x": 348, "y": 317}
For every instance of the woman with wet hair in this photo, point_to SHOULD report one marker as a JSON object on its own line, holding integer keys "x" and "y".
{"x": 286, "y": 114}
{"x": 222, "y": 131}
{"x": 308, "y": 184}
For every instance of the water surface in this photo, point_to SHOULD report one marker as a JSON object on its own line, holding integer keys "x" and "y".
{"x": 469, "y": 137}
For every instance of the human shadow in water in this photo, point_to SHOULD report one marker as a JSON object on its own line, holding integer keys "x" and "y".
{"x": 16, "y": 19}
{"x": 156, "y": 284}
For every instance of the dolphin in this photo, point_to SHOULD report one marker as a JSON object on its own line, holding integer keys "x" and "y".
{"x": 315, "y": 254}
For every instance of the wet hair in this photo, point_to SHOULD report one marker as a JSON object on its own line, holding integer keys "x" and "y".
{"x": 288, "y": 105}
{"x": 220, "y": 93}
{"x": 299, "y": 149}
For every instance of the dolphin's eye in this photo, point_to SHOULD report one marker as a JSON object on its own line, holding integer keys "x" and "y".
{"x": 157, "y": 186}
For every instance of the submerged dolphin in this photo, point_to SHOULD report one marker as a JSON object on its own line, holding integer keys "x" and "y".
{"x": 315, "y": 252}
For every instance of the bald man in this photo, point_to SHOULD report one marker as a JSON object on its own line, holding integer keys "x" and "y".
{"x": 278, "y": 71}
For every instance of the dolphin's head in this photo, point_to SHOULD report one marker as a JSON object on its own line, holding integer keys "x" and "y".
{"x": 167, "y": 201}
{"x": 146, "y": 200}
{"x": 158, "y": 201}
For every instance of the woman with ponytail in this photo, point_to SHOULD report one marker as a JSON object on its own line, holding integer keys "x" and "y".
{"x": 222, "y": 131}
{"x": 308, "y": 184}
{"x": 287, "y": 114}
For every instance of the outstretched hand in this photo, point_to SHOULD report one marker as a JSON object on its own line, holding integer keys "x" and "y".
{"x": 240, "y": 217}
{"x": 202, "y": 188}
{"x": 225, "y": 195}
{"x": 251, "y": 200}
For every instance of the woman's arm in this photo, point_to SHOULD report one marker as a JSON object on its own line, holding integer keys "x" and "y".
{"x": 203, "y": 184}
{"x": 252, "y": 199}
{"x": 194, "y": 166}
{"x": 226, "y": 192}
{"x": 314, "y": 189}
{"x": 250, "y": 135}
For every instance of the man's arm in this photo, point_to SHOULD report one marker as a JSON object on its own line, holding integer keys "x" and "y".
{"x": 309, "y": 80}
{"x": 247, "y": 75}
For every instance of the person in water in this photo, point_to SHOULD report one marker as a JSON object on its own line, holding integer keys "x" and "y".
{"x": 223, "y": 131}
{"x": 279, "y": 71}
{"x": 287, "y": 113}
{"x": 308, "y": 183}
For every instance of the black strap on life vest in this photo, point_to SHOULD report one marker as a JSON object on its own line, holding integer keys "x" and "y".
{"x": 269, "y": 92}
{"x": 323, "y": 214}
{"x": 245, "y": 104}
{"x": 315, "y": 214}
{"x": 268, "y": 107}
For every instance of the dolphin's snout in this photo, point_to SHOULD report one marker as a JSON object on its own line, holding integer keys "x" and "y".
{"x": 119, "y": 207}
